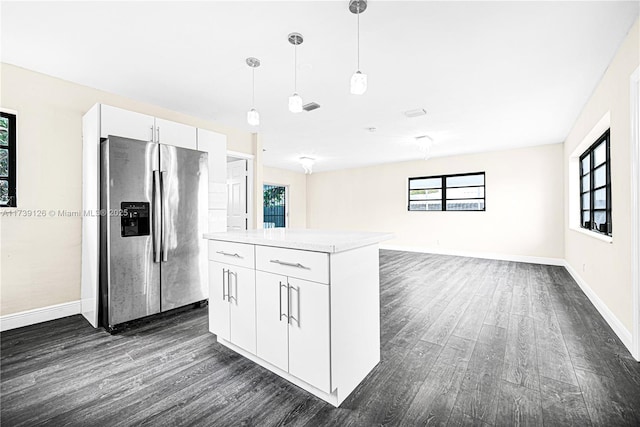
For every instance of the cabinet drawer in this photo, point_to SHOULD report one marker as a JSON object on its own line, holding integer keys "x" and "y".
{"x": 240, "y": 254}
{"x": 305, "y": 265}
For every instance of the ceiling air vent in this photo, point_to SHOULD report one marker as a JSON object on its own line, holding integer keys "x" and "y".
{"x": 311, "y": 106}
{"x": 415, "y": 113}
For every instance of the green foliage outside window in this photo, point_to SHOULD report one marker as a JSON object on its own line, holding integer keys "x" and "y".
{"x": 273, "y": 196}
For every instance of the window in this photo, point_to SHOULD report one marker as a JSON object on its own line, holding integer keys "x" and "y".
{"x": 275, "y": 206}
{"x": 595, "y": 187}
{"x": 7, "y": 160}
{"x": 461, "y": 192}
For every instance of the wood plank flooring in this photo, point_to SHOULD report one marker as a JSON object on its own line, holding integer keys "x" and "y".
{"x": 464, "y": 342}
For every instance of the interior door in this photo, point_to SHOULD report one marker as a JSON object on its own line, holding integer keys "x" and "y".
{"x": 237, "y": 215}
{"x": 184, "y": 273}
{"x": 242, "y": 307}
{"x": 309, "y": 351}
{"x": 128, "y": 270}
{"x": 271, "y": 319}
{"x": 218, "y": 304}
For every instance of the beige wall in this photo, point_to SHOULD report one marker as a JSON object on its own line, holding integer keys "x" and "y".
{"x": 297, "y": 183}
{"x": 607, "y": 266}
{"x": 523, "y": 199}
{"x": 40, "y": 257}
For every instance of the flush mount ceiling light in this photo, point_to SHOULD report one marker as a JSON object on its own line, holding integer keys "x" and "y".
{"x": 307, "y": 164}
{"x": 253, "y": 117}
{"x": 295, "y": 100}
{"x": 359, "y": 79}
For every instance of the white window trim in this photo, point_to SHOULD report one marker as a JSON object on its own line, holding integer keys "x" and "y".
{"x": 574, "y": 178}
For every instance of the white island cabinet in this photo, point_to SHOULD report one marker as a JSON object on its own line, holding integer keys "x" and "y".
{"x": 303, "y": 303}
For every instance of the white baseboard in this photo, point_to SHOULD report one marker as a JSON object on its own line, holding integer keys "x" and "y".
{"x": 483, "y": 255}
{"x": 621, "y": 331}
{"x": 38, "y": 315}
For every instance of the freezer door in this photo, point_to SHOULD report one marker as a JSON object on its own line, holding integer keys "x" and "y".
{"x": 131, "y": 277}
{"x": 184, "y": 275}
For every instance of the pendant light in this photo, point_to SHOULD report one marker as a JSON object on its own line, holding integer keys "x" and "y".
{"x": 295, "y": 100}
{"x": 359, "y": 79}
{"x": 253, "y": 117}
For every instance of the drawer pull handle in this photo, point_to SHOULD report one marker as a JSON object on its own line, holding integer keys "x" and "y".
{"x": 289, "y": 264}
{"x": 228, "y": 254}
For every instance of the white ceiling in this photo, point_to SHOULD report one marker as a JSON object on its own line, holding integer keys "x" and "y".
{"x": 491, "y": 75}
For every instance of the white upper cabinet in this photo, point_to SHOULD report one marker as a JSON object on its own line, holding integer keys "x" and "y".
{"x": 176, "y": 134}
{"x": 128, "y": 124}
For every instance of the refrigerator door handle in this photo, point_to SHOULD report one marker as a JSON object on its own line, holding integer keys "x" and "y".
{"x": 165, "y": 207}
{"x": 156, "y": 216}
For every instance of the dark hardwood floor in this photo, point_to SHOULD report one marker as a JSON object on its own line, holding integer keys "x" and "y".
{"x": 464, "y": 342}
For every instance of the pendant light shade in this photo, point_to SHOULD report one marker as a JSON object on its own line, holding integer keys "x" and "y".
{"x": 358, "y": 83}
{"x": 358, "y": 79}
{"x": 295, "y": 103}
{"x": 253, "y": 117}
{"x": 295, "y": 100}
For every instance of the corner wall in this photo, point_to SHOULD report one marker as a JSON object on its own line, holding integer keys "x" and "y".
{"x": 40, "y": 256}
{"x": 524, "y": 205}
{"x": 605, "y": 268}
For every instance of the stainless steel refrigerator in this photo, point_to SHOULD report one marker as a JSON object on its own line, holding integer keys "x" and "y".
{"x": 153, "y": 199}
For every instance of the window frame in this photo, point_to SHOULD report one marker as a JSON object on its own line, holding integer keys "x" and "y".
{"x": 11, "y": 148}
{"x": 443, "y": 187}
{"x": 606, "y": 139}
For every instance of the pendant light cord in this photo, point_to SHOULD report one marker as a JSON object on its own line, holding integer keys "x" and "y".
{"x": 358, "y": 38}
{"x": 253, "y": 87}
{"x": 295, "y": 68}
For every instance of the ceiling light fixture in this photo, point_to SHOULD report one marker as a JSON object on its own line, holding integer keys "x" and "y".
{"x": 253, "y": 117}
{"x": 359, "y": 79}
{"x": 295, "y": 100}
{"x": 307, "y": 164}
{"x": 425, "y": 144}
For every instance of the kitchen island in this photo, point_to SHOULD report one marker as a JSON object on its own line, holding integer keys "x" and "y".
{"x": 304, "y": 304}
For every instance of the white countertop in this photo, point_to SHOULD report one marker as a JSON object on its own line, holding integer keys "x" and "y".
{"x": 306, "y": 239}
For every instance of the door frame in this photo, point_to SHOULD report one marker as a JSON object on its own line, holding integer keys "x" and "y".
{"x": 286, "y": 200}
{"x": 250, "y": 184}
{"x": 634, "y": 85}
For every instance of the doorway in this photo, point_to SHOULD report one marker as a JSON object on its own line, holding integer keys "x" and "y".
{"x": 239, "y": 191}
{"x": 275, "y": 206}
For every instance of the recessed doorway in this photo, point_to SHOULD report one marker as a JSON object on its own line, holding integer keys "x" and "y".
{"x": 275, "y": 205}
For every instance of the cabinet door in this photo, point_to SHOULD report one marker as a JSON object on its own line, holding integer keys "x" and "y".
{"x": 118, "y": 122}
{"x": 216, "y": 145}
{"x": 218, "y": 304}
{"x": 176, "y": 134}
{"x": 309, "y": 351}
{"x": 271, "y": 319}
{"x": 242, "y": 302}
